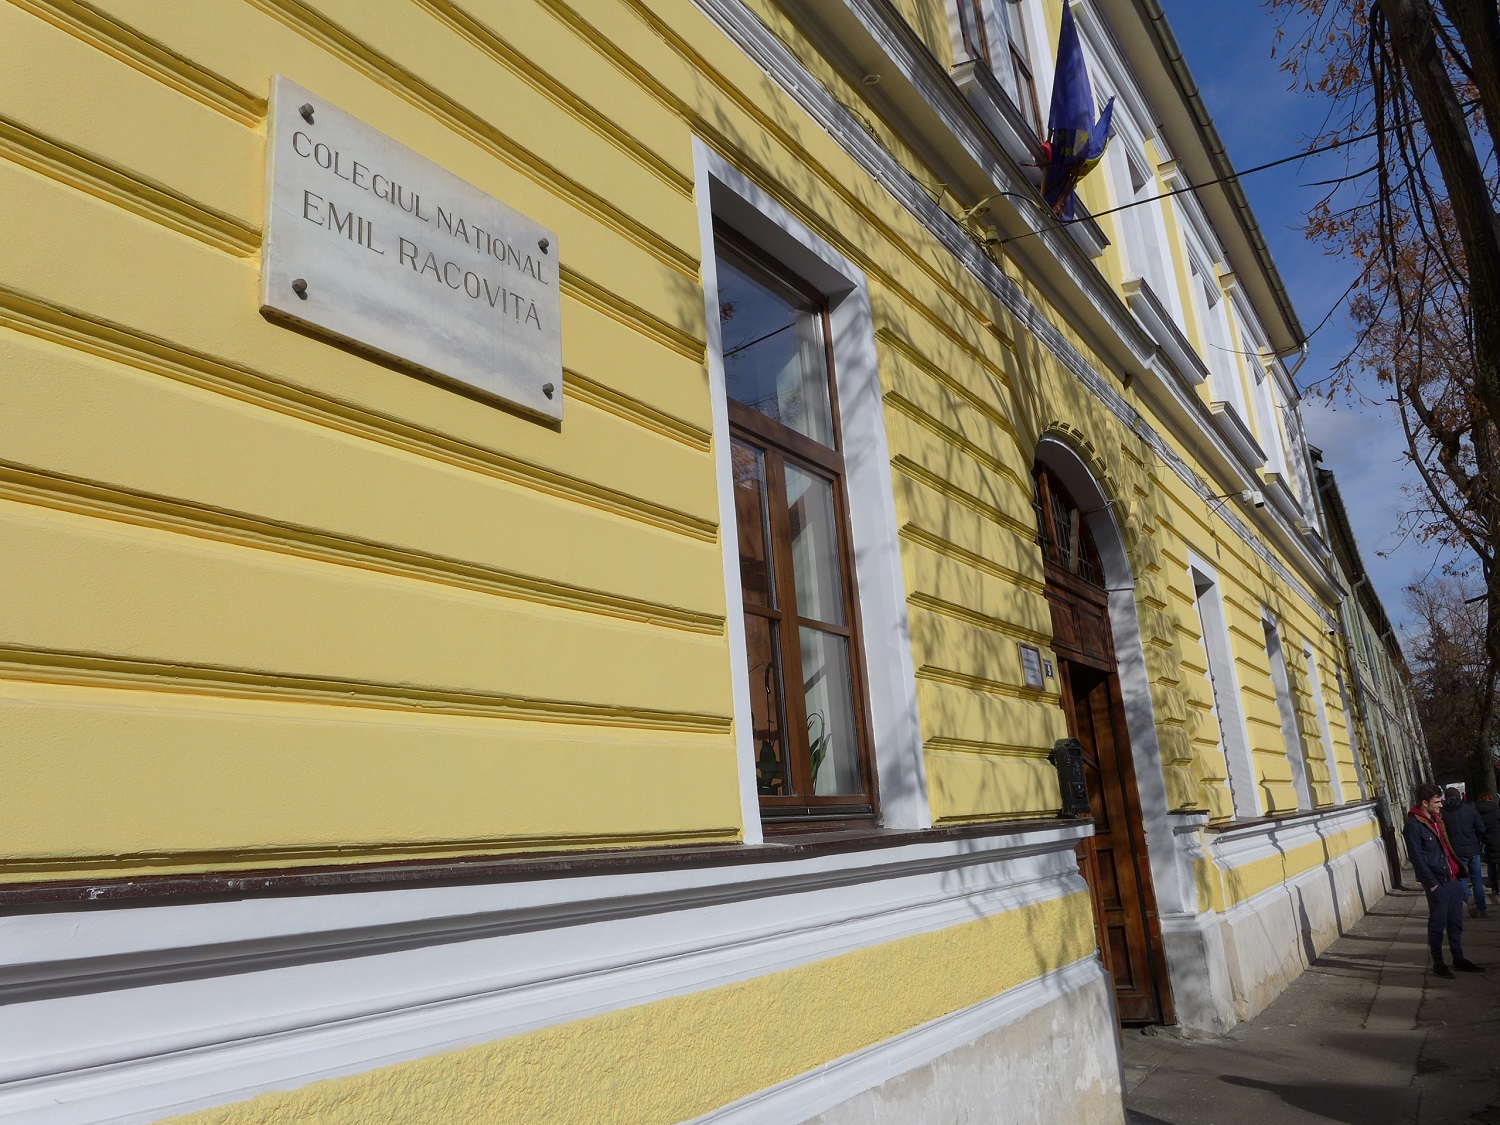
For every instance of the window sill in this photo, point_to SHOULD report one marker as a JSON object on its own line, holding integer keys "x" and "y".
{"x": 1001, "y": 116}
{"x": 1225, "y": 829}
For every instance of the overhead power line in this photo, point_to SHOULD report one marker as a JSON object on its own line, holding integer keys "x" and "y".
{"x": 1329, "y": 147}
{"x": 1340, "y": 143}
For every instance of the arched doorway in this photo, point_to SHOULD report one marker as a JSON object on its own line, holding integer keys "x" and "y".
{"x": 1113, "y": 860}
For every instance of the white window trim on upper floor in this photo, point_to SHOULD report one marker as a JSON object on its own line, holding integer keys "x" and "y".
{"x": 1141, "y": 231}
{"x": 1229, "y": 285}
{"x": 993, "y": 31}
{"x": 1210, "y": 307}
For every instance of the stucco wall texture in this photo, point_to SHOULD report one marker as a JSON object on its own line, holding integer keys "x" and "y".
{"x": 226, "y": 535}
{"x": 685, "y": 1055}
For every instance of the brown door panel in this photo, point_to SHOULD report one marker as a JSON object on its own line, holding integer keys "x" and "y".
{"x": 1119, "y": 886}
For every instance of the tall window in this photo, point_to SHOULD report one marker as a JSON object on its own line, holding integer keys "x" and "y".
{"x": 1239, "y": 763}
{"x": 1291, "y": 733}
{"x": 1325, "y": 733}
{"x": 1349, "y": 725}
{"x": 1065, "y": 538}
{"x": 801, "y": 621}
{"x": 1000, "y": 40}
{"x": 1143, "y": 237}
{"x": 1218, "y": 355}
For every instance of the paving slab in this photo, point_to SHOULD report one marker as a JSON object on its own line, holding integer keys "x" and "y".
{"x": 1366, "y": 1035}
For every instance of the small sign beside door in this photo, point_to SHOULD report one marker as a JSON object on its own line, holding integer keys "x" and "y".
{"x": 1031, "y": 666}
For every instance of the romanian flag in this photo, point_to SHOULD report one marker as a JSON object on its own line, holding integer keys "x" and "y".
{"x": 1075, "y": 141}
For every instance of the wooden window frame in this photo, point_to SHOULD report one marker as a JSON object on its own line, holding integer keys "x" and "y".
{"x": 1082, "y": 562}
{"x": 1026, "y": 89}
{"x": 778, "y": 443}
{"x": 971, "y": 29}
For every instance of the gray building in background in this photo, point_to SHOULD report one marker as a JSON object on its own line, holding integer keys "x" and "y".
{"x": 1375, "y": 682}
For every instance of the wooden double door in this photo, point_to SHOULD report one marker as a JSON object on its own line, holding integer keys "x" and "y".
{"x": 1113, "y": 860}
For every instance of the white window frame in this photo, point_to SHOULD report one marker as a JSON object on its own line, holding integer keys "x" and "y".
{"x": 1269, "y": 419}
{"x": 1320, "y": 706}
{"x": 1224, "y": 689}
{"x": 1143, "y": 227}
{"x": 1291, "y": 730}
{"x": 727, "y": 195}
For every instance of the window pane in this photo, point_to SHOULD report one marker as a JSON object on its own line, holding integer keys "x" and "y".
{"x": 831, "y": 735}
{"x": 1062, "y": 523}
{"x": 752, "y": 521}
{"x": 774, "y": 360}
{"x": 815, "y": 546}
{"x": 769, "y": 732}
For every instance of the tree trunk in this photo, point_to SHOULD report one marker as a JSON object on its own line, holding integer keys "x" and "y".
{"x": 1414, "y": 39}
{"x": 1478, "y": 24}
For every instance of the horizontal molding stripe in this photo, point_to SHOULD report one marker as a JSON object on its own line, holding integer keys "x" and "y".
{"x": 125, "y": 189}
{"x": 953, "y": 438}
{"x": 909, "y": 352}
{"x": 978, "y": 620}
{"x": 19, "y": 663}
{"x": 950, "y": 678}
{"x": 456, "y": 856}
{"x": 583, "y": 389}
{"x": 590, "y": 293}
{"x": 913, "y": 471}
{"x": 145, "y": 509}
{"x": 151, "y": 58}
{"x": 938, "y": 545}
{"x": 107, "y": 340}
{"x": 484, "y": 38}
{"x": 986, "y": 749}
{"x": 340, "y": 43}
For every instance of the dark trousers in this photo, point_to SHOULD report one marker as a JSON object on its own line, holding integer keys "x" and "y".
{"x": 1445, "y": 911}
{"x": 1470, "y": 864}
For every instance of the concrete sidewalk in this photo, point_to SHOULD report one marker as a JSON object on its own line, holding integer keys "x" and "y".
{"x": 1367, "y": 1035}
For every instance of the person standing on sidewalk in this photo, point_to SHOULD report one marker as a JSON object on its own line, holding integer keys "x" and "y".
{"x": 1437, "y": 869}
{"x": 1489, "y": 812}
{"x": 1466, "y": 836}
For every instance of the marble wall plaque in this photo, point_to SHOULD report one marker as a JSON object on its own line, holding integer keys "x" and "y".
{"x": 372, "y": 244}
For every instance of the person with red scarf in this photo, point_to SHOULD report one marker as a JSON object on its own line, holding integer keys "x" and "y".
{"x": 1438, "y": 870}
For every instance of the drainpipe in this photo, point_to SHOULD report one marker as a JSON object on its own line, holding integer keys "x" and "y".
{"x": 1291, "y": 372}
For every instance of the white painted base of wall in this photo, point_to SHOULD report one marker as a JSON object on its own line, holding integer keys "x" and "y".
{"x": 1271, "y": 938}
{"x": 999, "y": 1062}
{"x": 1202, "y": 992}
{"x": 136, "y": 1012}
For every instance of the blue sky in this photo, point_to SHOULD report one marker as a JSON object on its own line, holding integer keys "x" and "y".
{"x": 1228, "y": 48}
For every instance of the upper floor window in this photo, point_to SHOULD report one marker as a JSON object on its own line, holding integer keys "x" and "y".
{"x": 1218, "y": 353}
{"x": 1142, "y": 236}
{"x": 804, "y": 657}
{"x": 995, "y": 31}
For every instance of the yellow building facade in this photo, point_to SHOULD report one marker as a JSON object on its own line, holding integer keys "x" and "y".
{"x": 385, "y": 742}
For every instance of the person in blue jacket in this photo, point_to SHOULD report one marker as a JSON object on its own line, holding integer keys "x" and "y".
{"x": 1437, "y": 869}
{"x": 1466, "y": 832}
